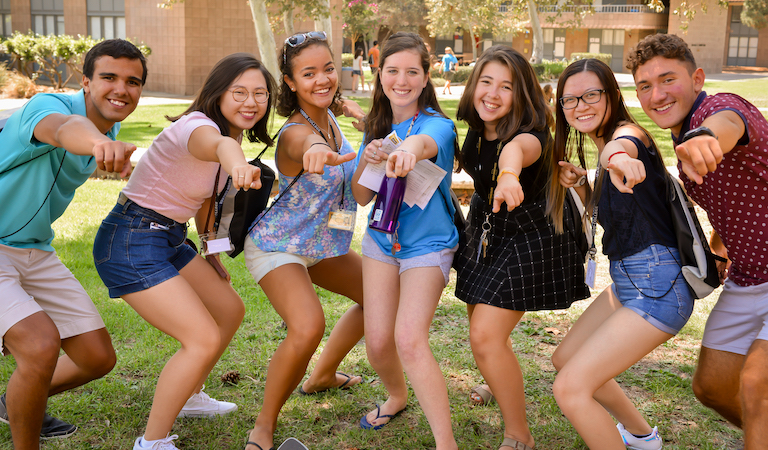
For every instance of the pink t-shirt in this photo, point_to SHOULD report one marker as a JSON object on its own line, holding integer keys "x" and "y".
{"x": 168, "y": 179}
{"x": 735, "y": 196}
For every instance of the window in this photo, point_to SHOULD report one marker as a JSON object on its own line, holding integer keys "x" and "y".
{"x": 742, "y": 42}
{"x": 47, "y": 16}
{"x": 5, "y": 18}
{"x": 106, "y": 19}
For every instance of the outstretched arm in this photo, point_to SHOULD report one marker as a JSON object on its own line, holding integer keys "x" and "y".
{"x": 700, "y": 155}
{"x": 520, "y": 152}
{"x": 207, "y": 144}
{"x": 78, "y": 135}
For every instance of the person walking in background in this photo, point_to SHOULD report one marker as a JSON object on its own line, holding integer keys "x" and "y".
{"x": 357, "y": 71}
{"x": 304, "y": 239}
{"x": 404, "y": 274}
{"x": 140, "y": 250}
{"x": 518, "y": 258}
{"x": 373, "y": 54}
{"x": 723, "y": 161}
{"x": 649, "y": 300}
{"x": 50, "y": 148}
{"x": 448, "y": 68}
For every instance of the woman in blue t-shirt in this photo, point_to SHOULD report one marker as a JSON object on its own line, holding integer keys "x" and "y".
{"x": 649, "y": 300}
{"x": 404, "y": 273}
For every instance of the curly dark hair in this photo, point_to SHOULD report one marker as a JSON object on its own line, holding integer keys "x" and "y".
{"x": 287, "y": 100}
{"x": 223, "y": 74}
{"x": 669, "y": 46}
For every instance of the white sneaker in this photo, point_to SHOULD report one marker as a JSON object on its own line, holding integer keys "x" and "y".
{"x": 160, "y": 444}
{"x": 201, "y": 405}
{"x": 651, "y": 442}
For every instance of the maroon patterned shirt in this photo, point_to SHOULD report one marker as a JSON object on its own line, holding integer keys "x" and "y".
{"x": 735, "y": 196}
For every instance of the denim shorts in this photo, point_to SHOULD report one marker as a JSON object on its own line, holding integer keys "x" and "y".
{"x": 650, "y": 273}
{"x": 441, "y": 259}
{"x": 137, "y": 248}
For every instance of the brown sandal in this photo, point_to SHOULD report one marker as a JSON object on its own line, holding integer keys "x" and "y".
{"x": 514, "y": 444}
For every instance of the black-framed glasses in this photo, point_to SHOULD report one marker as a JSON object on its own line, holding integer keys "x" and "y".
{"x": 588, "y": 97}
{"x": 240, "y": 95}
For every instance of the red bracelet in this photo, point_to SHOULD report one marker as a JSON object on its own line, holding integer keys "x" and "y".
{"x": 617, "y": 153}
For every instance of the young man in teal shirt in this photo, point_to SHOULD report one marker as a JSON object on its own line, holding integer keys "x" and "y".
{"x": 50, "y": 147}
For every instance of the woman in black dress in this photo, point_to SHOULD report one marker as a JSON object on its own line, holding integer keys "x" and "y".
{"x": 516, "y": 259}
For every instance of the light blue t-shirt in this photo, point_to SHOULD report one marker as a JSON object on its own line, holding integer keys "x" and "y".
{"x": 422, "y": 231}
{"x": 449, "y": 58}
{"x": 24, "y": 189}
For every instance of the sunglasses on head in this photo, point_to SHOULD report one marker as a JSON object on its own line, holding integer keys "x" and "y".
{"x": 298, "y": 39}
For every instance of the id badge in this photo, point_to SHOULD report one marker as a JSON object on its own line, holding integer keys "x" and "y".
{"x": 215, "y": 243}
{"x": 591, "y": 272}
{"x": 341, "y": 220}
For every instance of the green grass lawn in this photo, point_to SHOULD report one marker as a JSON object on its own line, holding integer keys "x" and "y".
{"x": 111, "y": 412}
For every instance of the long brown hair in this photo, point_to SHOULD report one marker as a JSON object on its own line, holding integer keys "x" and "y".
{"x": 569, "y": 142}
{"x": 529, "y": 111}
{"x": 221, "y": 77}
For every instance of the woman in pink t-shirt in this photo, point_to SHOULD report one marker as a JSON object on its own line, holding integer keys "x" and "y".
{"x": 140, "y": 250}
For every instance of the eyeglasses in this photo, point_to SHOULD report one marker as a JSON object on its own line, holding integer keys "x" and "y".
{"x": 298, "y": 39}
{"x": 589, "y": 97}
{"x": 241, "y": 95}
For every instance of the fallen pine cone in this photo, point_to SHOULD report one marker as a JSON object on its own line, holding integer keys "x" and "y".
{"x": 231, "y": 378}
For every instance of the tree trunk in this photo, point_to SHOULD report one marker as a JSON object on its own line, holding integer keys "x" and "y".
{"x": 288, "y": 22}
{"x": 538, "y": 35}
{"x": 324, "y": 24}
{"x": 264, "y": 37}
{"x": 474, "y": 44}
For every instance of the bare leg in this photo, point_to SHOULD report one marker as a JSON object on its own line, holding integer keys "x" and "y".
{"x": 610, "y": 395}
{"x": 754, "y": 395}
{"x": 342, "y": 275}
{"x": 291, "y": 293}
{"x": 381, "y": 285}
{"x": 489, "y": 329}
{"x": 354, "y": 83}
{"x": 622, "y": 340}
{"x": 420, "y": 290}
{"x": 87, "y": 357}
{"x": 176, "y": 309}
{"x": 717, "y": 381}
{"x": 34, "y": 343}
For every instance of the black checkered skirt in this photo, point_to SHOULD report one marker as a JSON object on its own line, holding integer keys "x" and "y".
{"x": 527, "y": 266}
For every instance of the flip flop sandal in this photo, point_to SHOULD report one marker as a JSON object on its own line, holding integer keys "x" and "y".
{"x": 514, "y": 444}
{"x": 483, "y": 393}
{"x": 364, "y": 424}
{"x": 343, "y": 385}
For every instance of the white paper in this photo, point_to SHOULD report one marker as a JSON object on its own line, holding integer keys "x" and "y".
{"x": 218, "y": 245}
{"x": 422, "y": 181}
{"x": 591, "y": 272}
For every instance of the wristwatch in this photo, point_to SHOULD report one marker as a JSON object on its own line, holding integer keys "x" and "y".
{"x": 582, "y": 181}
{"x": 700, "y": 131}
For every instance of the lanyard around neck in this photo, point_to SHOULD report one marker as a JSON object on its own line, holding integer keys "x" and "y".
{"x": 410, "y": 127}
{"x": 317, "y": 128}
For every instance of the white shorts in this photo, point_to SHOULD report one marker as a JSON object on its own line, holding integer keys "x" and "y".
{"x": 260, "y": 263}
{"x": 32, "y": 281}
{"x": 739, "y": 317}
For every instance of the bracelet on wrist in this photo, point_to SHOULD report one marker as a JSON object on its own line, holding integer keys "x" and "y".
{"x": 319, "y": 143}
{"x": 617, "y": 153}
{"x": 511, "y": 172}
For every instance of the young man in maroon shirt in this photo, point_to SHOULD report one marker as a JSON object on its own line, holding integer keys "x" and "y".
{"x": 721, "y": 144}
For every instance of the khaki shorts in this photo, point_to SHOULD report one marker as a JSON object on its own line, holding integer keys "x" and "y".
{"x": 260, "y": 263}
{"x": 32, "y": 281}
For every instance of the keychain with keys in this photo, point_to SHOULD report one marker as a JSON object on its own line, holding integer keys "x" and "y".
{"x": 395, "y": 243}
{"x": 484, "y": 237}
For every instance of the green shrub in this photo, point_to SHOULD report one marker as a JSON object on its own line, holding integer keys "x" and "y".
{"x": 604, "y": 57}
{"x": 346, "y": 59}
{"x": 461, "y": 75}
{"x": 549, "y": 70}
{"x": 4, "y": 75}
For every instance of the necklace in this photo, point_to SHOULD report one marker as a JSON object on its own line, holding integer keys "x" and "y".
{"x": 331, "y": 134}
